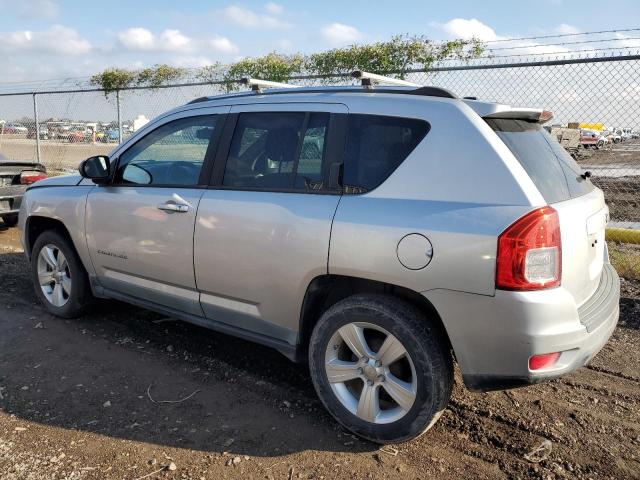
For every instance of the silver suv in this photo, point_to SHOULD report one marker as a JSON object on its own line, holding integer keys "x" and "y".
{"x": 379, "y": 234}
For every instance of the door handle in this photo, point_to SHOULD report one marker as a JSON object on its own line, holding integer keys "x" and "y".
{"x": 170, "y": 206}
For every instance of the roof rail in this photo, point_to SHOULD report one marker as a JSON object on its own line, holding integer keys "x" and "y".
{"x": 257, "y": 85}
{"x": 369, "y": 78}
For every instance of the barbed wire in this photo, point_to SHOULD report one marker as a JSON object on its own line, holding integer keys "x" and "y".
{"x": 560, "y": 44}
{"x": 561, "y": 35}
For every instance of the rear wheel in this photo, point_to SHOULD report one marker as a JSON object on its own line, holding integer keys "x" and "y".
{"x": 380, "y": 367}
{"x": 59, "y": 278}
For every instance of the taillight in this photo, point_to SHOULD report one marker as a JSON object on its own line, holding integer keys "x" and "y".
{"x": 31, "y": 176}
{"x": 530, "y": 253}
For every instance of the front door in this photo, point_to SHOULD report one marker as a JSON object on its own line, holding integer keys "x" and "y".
{"x": 140, "y": 226}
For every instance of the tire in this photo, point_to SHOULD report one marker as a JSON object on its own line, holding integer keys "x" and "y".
{"x": 10, "y": 221}
{"x": 426, "y": 365}
{"x": 76, "y": 294}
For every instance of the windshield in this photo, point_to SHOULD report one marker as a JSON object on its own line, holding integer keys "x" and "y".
{"x": 550, "y": 167}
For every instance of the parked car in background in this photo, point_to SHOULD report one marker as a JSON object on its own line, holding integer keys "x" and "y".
{"x": 376, "y": 234}
{"x": 79, "y": 134}
{"x": 110, "y": 135}
{"x": 14, "y": 129}
{"x": 15, "y": 176}
{"x": 591, "y": 139}
{"x": 619, "y": 136}
{"x": 43, "y": 131}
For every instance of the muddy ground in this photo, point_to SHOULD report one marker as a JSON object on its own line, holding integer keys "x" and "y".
{"x": 76, "y": 403}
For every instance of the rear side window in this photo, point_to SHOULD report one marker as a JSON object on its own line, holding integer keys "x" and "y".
{"x": 550, "y": 167}
{"x": 278, "y": 151}
{"x": 376, "y": 146}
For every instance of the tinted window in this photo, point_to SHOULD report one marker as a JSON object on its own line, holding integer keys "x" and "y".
{"x": 172, "y": 154}
{"x": 376, "y": 146}
{"x": 277, "y": 151}
{"x": 549, "y": 166}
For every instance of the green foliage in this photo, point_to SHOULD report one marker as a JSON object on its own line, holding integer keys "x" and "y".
{"x": 274, "y": 67}
{"x": 211, "y": 73}
{"x": 159, "y": 75}
{"x": 395, "y": 57}
{"x": 113, "y": 79}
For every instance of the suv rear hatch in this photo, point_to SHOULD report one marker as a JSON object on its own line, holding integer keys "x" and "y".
{"x": 582, "y": 211}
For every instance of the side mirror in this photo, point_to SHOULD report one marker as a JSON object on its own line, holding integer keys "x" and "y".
{"x": 95, "y": 168}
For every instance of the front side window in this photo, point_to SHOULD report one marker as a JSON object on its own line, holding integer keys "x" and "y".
{"x": 278, "y": 151}
{"x": 172, "y": 154}
{"x": 376, "y": 146}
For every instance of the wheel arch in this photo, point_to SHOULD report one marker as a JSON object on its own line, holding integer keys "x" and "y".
{"x": 326, "y": 290}
{"x": 36, "y": 225}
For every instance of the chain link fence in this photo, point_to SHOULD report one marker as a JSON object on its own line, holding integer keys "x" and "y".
{"x": 596, "y": 99}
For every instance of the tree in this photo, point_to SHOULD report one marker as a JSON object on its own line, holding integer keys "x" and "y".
{"x": 113, "y": 79}
{"x": 394, "y": 57}
{"x": 274, "y": 67}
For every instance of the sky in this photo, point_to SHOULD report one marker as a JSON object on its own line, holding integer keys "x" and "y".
{"x": 51, "y": 39}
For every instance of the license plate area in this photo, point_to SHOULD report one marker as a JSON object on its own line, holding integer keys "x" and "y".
{"x": 5, "y": 205}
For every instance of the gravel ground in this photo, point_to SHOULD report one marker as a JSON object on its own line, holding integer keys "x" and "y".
{"x": 82, "y": 399}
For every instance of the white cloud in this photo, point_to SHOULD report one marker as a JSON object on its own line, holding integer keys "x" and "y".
{"x": 138, "y": 38}
{"x": 340, "y": 34}
{"x": 173, "y": 40}
{"x": 566, "y": 29}
{"x": 274, "y": 8}
{"x": 243, "y": 17}
{"x": 58, "y": 39}
{"x": 223, "y": 45}
{"x": 467, "y": 29}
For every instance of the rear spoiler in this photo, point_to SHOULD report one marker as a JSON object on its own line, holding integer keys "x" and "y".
{"x": 528, "y": 114}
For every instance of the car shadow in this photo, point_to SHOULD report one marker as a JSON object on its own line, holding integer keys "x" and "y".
{"x": 132, "y": 374}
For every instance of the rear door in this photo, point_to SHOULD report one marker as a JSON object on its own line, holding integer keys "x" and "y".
{"x": 580, "y": 206}
{"x": 262, "y": 230}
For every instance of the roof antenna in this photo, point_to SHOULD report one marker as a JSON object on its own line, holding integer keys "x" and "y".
{"x": 368, "y": 79}
{"x": 257, "y": 85}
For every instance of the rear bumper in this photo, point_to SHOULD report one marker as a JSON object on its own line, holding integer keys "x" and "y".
{"x": 10, "y": 204}
{"x": 493, "y": 337}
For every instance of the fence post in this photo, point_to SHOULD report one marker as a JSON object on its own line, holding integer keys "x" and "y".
{"x": 119, "y": 120}
{"x": 37, "y": 126}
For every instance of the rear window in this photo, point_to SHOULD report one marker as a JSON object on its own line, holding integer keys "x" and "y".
{"x": 376, "y": 146}
{"x": 550, "y": 167}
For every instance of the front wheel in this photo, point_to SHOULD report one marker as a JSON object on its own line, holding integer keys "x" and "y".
{"x": 381, "y": 367}
{"x": 59, "y": 278}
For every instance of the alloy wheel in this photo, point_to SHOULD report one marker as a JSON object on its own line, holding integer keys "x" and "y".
{"x": 370, "y": 372}
{"x": 54, "y": 276}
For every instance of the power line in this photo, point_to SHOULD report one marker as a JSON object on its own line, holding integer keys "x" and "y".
{"x": 559, "y": 44}
{"x": 562, "y": 35}
{"x": 567, "y": 53}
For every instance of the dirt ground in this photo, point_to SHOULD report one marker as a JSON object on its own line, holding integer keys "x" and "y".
{"x": 76, "y": 403}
